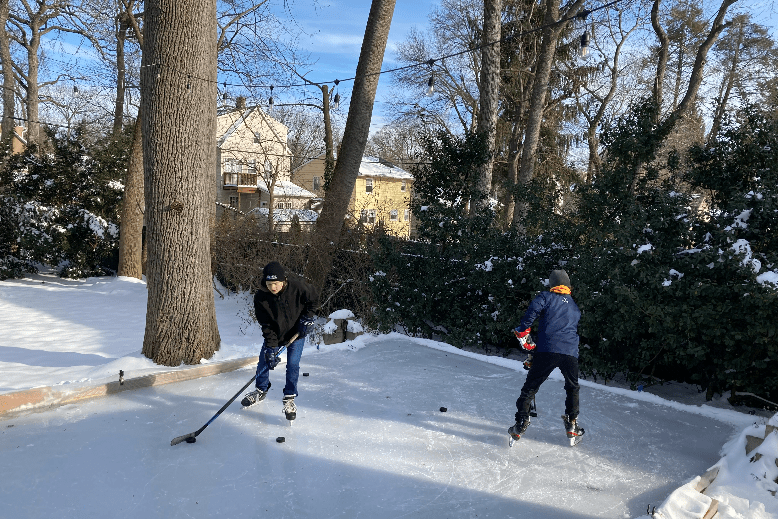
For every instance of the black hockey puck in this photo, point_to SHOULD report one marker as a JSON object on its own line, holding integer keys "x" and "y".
{"x": 443, "y": 409}
{"x": 305, "y": 374}
{"x": 191, "y": 439}
{"x": 280, "y": 439}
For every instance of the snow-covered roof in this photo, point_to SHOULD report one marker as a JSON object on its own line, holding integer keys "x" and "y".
{"x": 373, "y": 167}
{"x": 284, "y": 188}
{"x": 286, "y": 215}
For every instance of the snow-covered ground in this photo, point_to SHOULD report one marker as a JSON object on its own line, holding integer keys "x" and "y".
{"x": 371, "y": 437}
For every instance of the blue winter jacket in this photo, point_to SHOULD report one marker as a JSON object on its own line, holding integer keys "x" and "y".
{"x": 558, "y": 327}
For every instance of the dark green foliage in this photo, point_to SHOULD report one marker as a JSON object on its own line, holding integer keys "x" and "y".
{"x": 60, "y": 209}
{"x": 668, "y": 291}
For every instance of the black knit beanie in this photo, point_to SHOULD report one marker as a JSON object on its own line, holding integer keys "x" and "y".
{"x": 559, "y": 277}
{"x": 273, "y": 271}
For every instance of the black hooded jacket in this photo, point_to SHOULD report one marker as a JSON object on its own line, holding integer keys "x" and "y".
{"x": 279, "y": 314}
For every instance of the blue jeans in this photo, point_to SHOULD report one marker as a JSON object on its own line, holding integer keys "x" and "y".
{"x": 293, "y": 353}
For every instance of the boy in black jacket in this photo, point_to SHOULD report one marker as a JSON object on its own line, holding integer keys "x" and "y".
{"x": 283, "y": 307}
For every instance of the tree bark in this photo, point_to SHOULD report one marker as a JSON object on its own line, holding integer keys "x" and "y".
{"x": 489, "y": 91}
{"x": 178, "y": 102}
{"x": 9, "y": 82}
{"x": 131, "y": 226}
{"x": 344, "y": 176}
{"x": 545, "y": 61}
{"x": 118, "y": 113}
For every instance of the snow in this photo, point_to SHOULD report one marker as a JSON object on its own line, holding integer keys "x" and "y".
{"x": 372, "y": 167}
{"x": 370, "y": 438}
{"x": 287, "y": 215}
{"x": 285, "y": 188}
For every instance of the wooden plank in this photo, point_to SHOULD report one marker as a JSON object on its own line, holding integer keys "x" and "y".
{"x": 46, "y": 398}
{"x": 714, "y": 507}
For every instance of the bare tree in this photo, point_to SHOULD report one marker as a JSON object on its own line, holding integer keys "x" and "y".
{"x": 330, "y": 223}
{"x": 9, "y": 82}
{"x": 489, "y": 90}
{"x": 178, "y": 84}
{"x": 554, "y": 23}
{"x": 747, "y": 56}
{"x": 687, "y": 103}
{"x": 605, "y": 79}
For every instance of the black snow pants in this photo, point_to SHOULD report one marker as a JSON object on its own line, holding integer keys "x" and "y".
{"x": 543, "y": 363}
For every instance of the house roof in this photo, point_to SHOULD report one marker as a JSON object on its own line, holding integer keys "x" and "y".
{"x": 286, "y": 215}
{"x": 240, "y": 116}
{"x": 372, "y": 167}
{"x": 288, "y": 189}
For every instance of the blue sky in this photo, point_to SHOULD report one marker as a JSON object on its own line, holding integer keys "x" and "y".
{"x": 335, "y": 29}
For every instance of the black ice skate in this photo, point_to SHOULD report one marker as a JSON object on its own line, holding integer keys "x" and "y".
{"x": 574, "y": 431}
{"x": 516, "y": 430}
{"x": 253, "y": 397}
{"x": 290, "y": 410}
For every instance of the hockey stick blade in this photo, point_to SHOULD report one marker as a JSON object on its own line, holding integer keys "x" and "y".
{"x": 176, "y": 441}
{"x": 193, "y": 435}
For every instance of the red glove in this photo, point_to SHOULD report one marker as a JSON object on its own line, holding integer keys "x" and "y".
{"x": 525, "y": 339}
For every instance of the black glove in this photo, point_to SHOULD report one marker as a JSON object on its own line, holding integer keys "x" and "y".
{"x": 304, "y": 325}
{"x": 271, "y": 357}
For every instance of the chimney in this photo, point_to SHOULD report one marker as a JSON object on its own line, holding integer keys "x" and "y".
{"x": 240, "y": 103}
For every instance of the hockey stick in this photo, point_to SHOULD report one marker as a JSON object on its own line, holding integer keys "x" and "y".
{"x": 192, "y": 437}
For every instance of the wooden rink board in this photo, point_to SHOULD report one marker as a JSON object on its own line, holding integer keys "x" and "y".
{"x": 44, "y": 398}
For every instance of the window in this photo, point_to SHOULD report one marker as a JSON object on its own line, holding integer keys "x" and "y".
{"x": 232, "y": 169}
{"x": 316, "y": 183}
{"x": 234, "y": 202}
{"x": 363, "y": 216}
{"x": 393, "y": 215}
{"x": 407, "y": 215}
{"x": 256, "y": 138}
{"x": 371, "y": 216}
{"x": 268, "y": 171}
{"x": 368, "y": 185}
{"x": 263, "y": 203}
{"x": 403, "y": 186}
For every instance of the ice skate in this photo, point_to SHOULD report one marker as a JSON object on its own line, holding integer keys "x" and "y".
{"x": 516, "y": 430}
{"x": 253, "y": 397}
{"x": 290, "y": 410}
{"x": 574, "y": 431}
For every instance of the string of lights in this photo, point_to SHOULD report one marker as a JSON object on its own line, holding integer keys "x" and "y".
{"x": 580, "y": 15}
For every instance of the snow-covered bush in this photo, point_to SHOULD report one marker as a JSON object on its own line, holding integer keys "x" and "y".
{"x": 59, "y": 208}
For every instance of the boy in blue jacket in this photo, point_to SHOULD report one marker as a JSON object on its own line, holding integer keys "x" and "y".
{"x": 557, "y": 347}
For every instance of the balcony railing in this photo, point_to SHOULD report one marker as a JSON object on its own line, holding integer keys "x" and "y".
{"x": 240, "y": 180}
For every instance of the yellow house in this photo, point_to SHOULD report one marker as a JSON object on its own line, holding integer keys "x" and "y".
{"x": 382, "y": 192}
{"x": 18, "y": 140}
{"x": 253, "y": 161}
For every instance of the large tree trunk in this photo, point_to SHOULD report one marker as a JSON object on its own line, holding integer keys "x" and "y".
{"x": 178, "y": 102}
{"x": 33, "y": 124}
{"x": 9, "y": 83}
{"x": 538, "y": 99}
{"x": 695, "y": 79}
{"x": 489, "y": 90}
{"x": 344, "y": 177}
{"x": 131, "y": 227}
{"x": 121, "y": 74}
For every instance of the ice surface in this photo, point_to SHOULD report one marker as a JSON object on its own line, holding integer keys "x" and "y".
{"x": 369, "y": 441}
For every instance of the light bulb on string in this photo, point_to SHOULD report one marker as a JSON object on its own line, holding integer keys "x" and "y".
{"x": 270, "y": 102}
{"x": 431, "y": 81}
{"x": 584, "y": 50}
{"x": 336, "y": 99}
